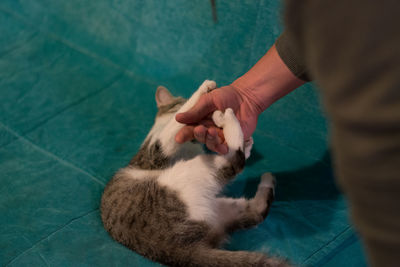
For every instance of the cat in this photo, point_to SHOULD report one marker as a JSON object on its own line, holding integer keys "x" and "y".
{"x": 165, "y": 204}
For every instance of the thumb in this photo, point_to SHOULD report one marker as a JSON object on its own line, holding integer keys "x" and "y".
{"x": 198, "y": 112}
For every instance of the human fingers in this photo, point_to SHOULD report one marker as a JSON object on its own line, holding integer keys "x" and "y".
{"x": 214, "y": 142}
{"x": 185, "y": 134}
{"x": 199, "y": 111}
{"x": 208, "y": 122}
{"x": 200, "y": 133}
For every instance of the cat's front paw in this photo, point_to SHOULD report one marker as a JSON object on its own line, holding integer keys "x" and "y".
{"x": 207, "y": 86}
{"x": 229, "y": 114}
{"x": 231, "y": 127}
{"x": 218, "y": 118}
{"x": 228, "y": 117}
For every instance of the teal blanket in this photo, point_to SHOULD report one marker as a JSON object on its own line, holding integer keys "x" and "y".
{"x": 77, "y": 84}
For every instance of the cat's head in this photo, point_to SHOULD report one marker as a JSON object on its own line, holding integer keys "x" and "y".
{"x": 167, "y": 104}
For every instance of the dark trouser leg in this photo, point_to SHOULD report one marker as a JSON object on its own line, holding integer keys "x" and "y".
{"x": 352, "y": 49}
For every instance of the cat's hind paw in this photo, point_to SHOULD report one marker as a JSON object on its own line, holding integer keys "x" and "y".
{"x": 248, "y": 145}
{"x": 268, "y": 180}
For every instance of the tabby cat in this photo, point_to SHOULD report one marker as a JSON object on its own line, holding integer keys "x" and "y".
{"x": 166, "y": 203}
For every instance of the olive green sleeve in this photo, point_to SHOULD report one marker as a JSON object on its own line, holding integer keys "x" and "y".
{"x": 293, "y": 60}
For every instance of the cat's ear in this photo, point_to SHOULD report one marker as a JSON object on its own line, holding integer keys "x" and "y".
{"x": 163, "y": 96}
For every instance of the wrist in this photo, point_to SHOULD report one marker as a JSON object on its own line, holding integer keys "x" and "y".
{"x": 249, "y": 95}
{"x": 267, "y": 81}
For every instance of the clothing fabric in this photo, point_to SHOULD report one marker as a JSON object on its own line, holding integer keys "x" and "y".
{"x": 352, "y": 50}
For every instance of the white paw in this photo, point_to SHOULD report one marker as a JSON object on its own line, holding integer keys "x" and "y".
{"x": 229, "y": 114}
{"x": 248, "y": 145}
{"x": 207, "y": 86}
{"x": 267, "y": 180}
{"x": 232, "y": 131}
{"x": 218, "y": 118}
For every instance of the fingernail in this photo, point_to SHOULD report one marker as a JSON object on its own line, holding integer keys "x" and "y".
{"x": 212, "y": 132}
{"x": 178, "y": 139}
{"x": 223, "y": 149}
{"x": 178, "y": 117}
{"x": 199, "y": 134}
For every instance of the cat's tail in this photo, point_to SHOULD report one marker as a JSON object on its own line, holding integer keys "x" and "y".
{"x": 225, "y": 258}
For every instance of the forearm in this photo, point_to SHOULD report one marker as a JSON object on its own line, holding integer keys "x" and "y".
{"x": 267, "y": 81}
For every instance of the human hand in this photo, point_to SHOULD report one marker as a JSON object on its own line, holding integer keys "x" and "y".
{"x": 249, "y": 95}
{"x": 200, "y": 125}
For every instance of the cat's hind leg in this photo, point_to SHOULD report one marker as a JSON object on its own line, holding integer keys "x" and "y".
{"x": 241, "y": 213}
{"x": 248, "y": 145}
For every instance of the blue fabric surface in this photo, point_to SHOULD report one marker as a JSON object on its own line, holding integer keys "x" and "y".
{"x": 77, "y": 84}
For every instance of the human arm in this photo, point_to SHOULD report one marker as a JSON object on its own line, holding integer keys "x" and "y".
{"x": 266, "y": 82}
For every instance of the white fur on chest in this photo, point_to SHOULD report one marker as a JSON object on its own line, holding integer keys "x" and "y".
{"x": 196, "y": 186}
